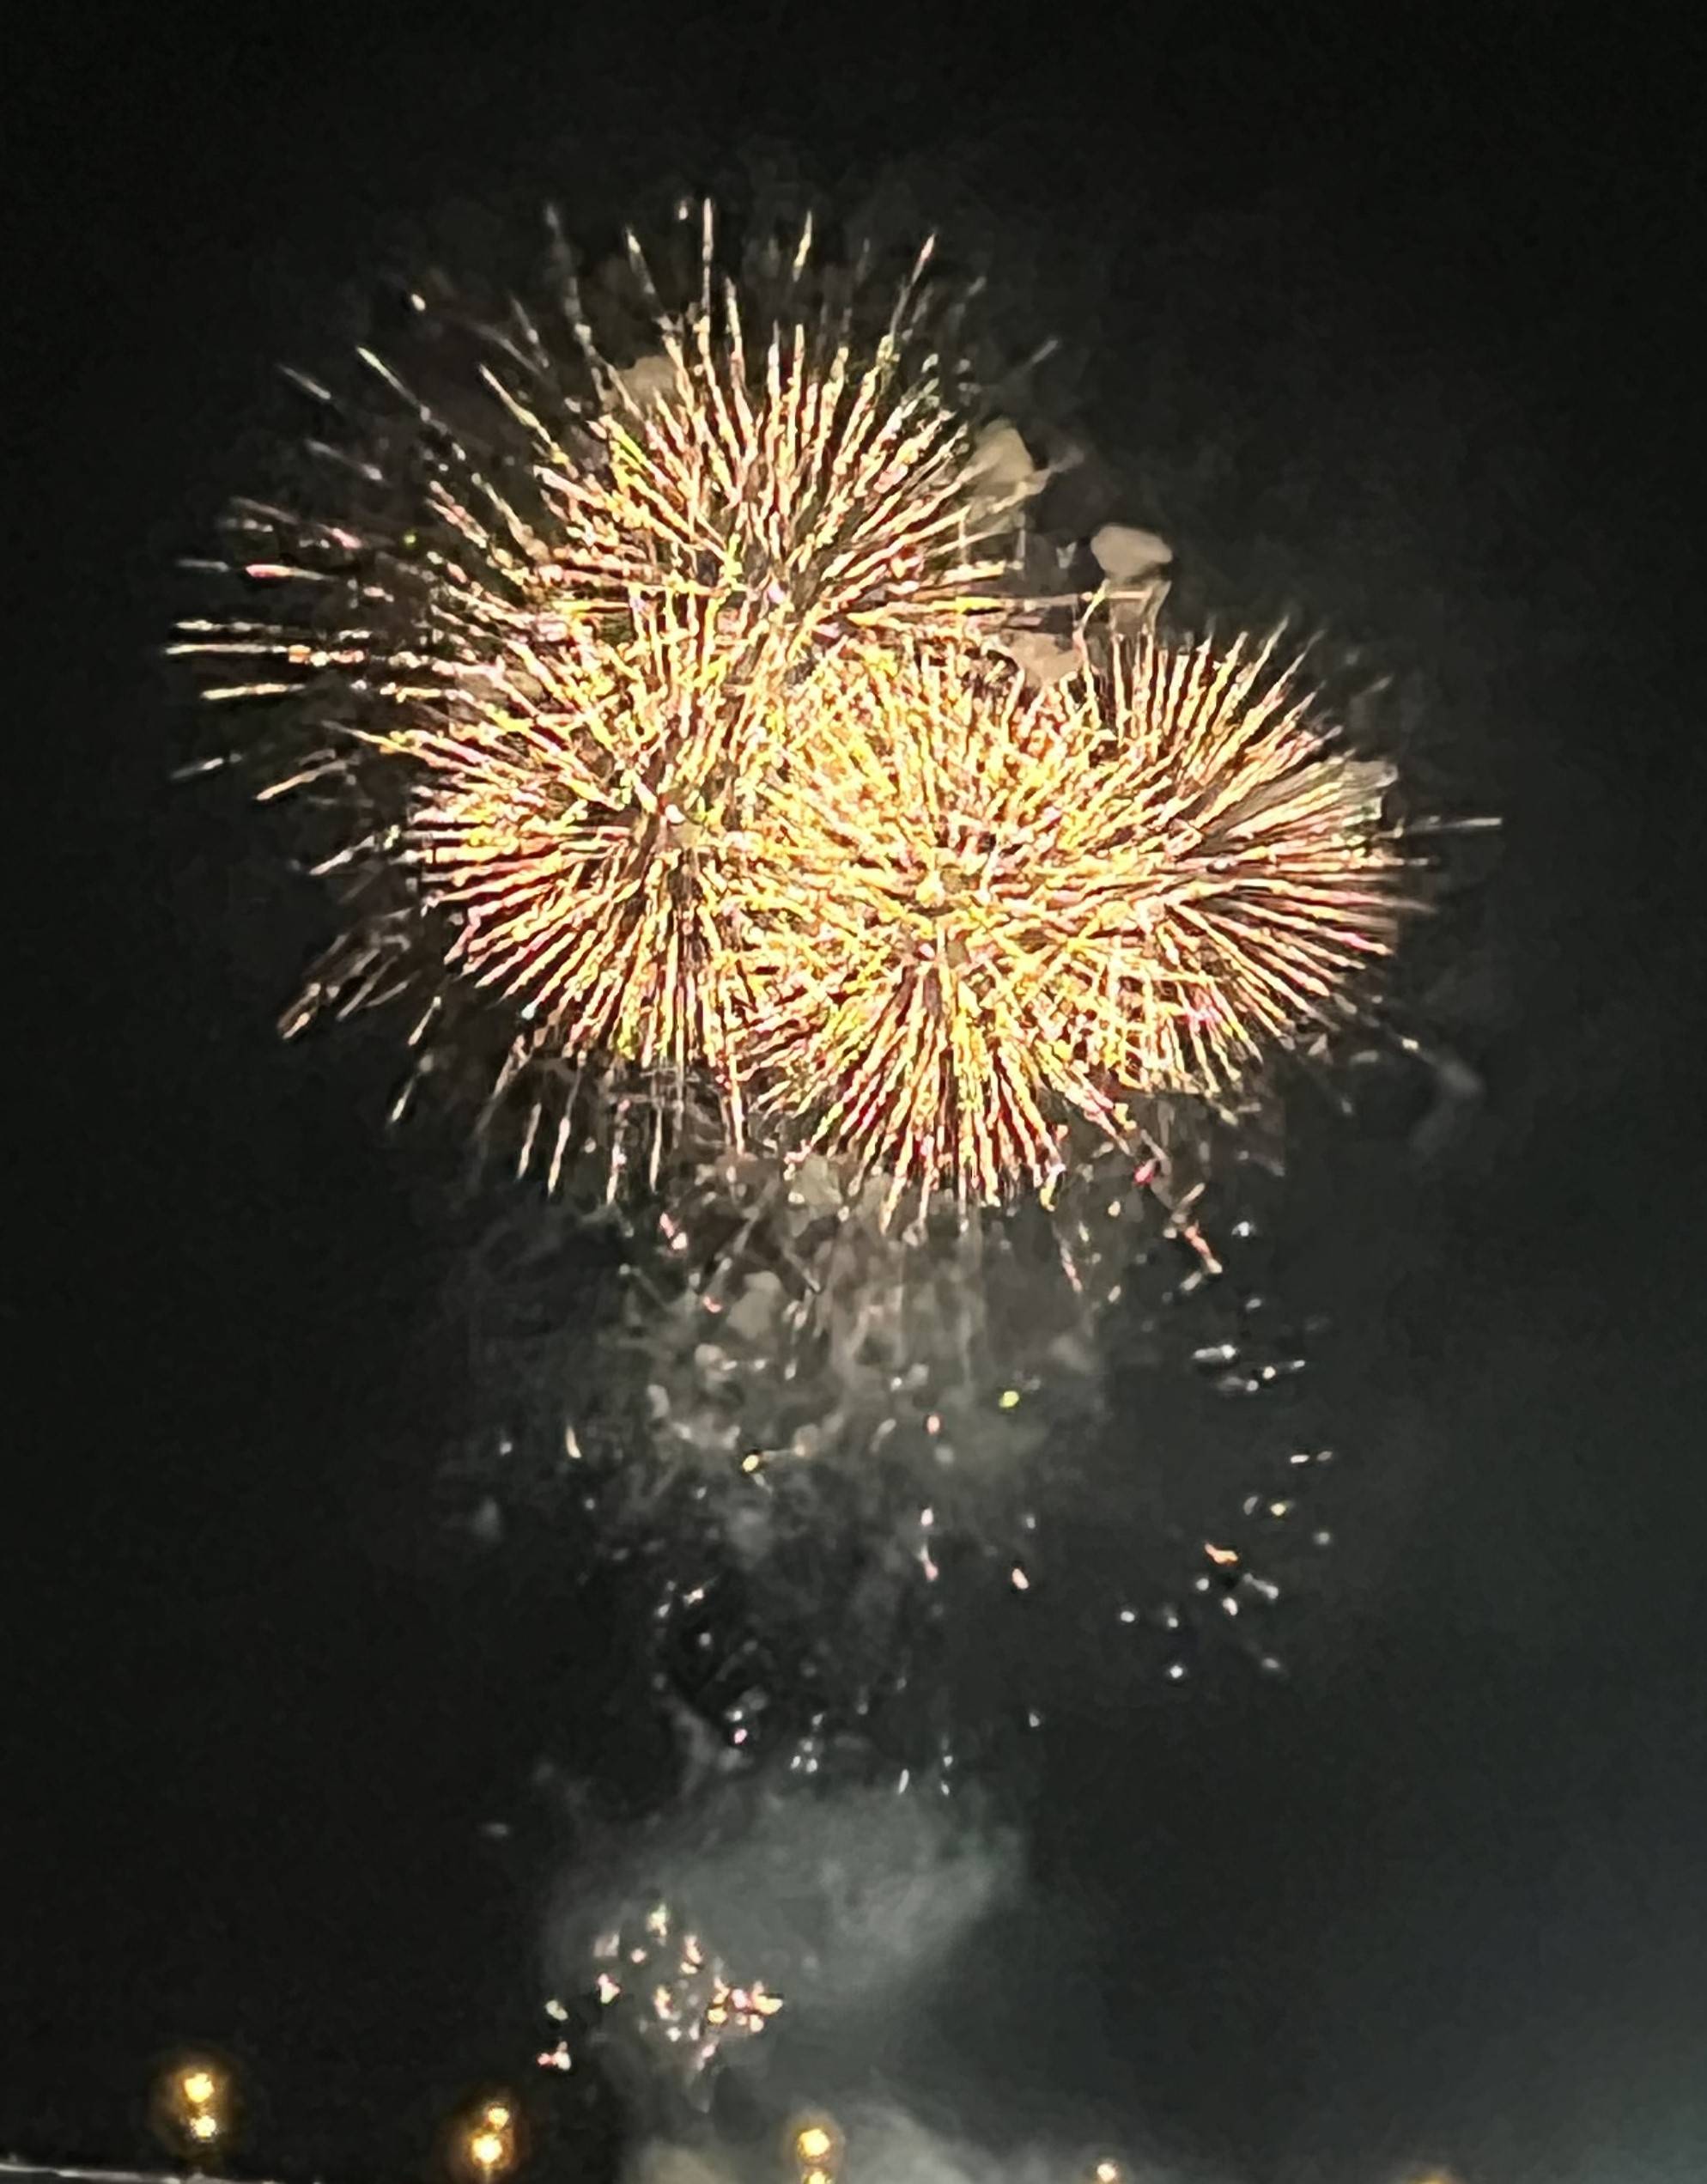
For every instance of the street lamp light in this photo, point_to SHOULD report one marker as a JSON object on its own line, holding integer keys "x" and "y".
{"x": 486, "y": 2142}
{"x": 815, "y": 2144}
{"x": 193, "y": 2107}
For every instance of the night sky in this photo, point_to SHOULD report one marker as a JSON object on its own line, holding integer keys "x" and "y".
{"x": 1389, "y": 328}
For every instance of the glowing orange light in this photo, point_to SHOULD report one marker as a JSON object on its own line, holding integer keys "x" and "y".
{"x": 817, "y": 2147}
{"x": 484, "y": 2144}
{"x": 191, "y": 2106}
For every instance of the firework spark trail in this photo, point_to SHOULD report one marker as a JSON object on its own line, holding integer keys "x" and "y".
{"x": 826, "y": 1452}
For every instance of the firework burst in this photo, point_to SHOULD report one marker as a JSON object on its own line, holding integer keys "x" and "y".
{"x": 1007, "y": 912}
{"x": 801, "y": 482}
{"x": 533, "y": 676}
{"x": 584, "y": 840}
{"x": 673, "y": 761}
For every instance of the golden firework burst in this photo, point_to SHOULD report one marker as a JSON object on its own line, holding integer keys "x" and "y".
{"x": 540, "y": 684}
{"x": 1002, "y": 912}
{"x": 588, "y": 837}
{"x": 675, "y": 762}
{"x": 805, "y": 483}
{"x": 1255, "y": 880}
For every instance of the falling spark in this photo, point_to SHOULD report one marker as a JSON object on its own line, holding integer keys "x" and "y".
{"x": 674, "y": 1993}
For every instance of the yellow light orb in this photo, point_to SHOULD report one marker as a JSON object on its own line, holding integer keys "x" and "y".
{"x": 484, "y": 2140}
{"x": 817, "y": 2146}
{"x": 193, "y": 2105}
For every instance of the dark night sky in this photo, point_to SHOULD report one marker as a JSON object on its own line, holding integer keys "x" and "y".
{"x": 1448, "y": 1889}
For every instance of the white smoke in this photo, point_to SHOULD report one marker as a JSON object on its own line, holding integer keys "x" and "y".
{"x": 838, "y": 1899}
{"x": 890, "y": 2146}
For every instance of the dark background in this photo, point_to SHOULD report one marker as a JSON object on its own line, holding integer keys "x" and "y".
{"x": 1392, "y": 325}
